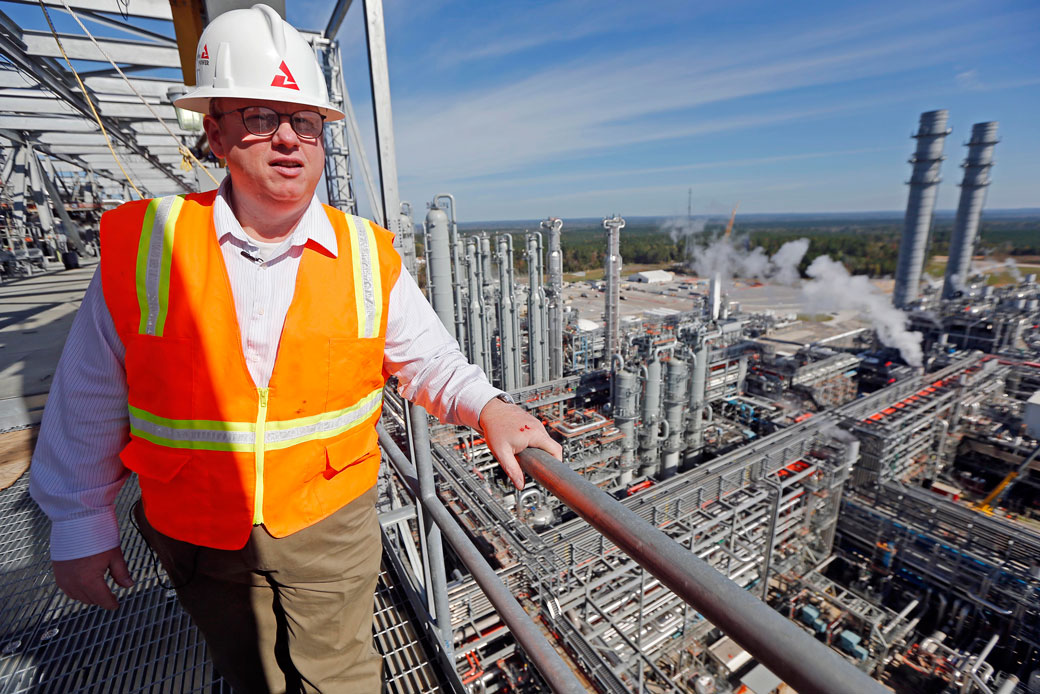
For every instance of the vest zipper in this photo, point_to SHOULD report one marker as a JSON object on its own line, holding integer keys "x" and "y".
{"x": 261, "y": 426}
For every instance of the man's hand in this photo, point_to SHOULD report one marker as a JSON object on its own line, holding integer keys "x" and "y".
{"x": 508, "y": 430}
{"x": 84, "y": 579}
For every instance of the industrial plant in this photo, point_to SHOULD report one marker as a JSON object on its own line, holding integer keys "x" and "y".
{"x": 873, "y": 480}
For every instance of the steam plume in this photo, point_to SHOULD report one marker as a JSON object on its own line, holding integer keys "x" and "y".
{"x": 832, "y": 288}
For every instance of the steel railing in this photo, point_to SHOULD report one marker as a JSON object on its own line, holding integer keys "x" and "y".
{"x": 789, "y": 652}
{"x": 557, "y": 674}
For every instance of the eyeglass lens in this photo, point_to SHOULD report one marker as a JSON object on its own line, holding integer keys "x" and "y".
{"x": 260, "y": 120}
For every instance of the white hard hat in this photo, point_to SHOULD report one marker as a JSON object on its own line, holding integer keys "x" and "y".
{"x": 255, "y": 54}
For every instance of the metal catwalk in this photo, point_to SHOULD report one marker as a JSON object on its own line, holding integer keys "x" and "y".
{"x": 50, "y": 644}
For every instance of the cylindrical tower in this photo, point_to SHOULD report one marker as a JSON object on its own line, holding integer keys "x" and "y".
{"x": 456, "y": 263}
{"x": 924, "y": 185}
{"x": 438, "y": 268}
{"x": 650, "y": 434}
{"x": 626, "y": 391}
{"x": 611, "y": 295}
{"x": 555, "y": 297}
{"x": 483, "y": 253}
{"x": 697, "y": 388}
{"x": 507, "y": 318}
{"x": 675, "y": 387}
{"x": 535, "y": 328}
{"x": 969, "y": 210}
{"x": 474, "y": 319}
{"x": 404, "y": 242}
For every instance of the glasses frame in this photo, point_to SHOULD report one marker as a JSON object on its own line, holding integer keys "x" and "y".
{"x": 281, "y": 116}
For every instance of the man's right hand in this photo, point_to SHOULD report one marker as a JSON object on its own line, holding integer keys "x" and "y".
{"x": 83, "y": 579}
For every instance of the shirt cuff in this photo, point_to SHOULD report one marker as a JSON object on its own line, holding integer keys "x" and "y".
{"x": 81, "y": 537}
{"x": 471, "y": 403}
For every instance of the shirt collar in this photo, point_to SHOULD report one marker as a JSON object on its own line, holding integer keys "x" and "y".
{"x": 314, "y": 225}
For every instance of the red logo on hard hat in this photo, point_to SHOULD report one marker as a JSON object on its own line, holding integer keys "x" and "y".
{"x": 285, "y": 79}
{"x": 205, "y": 53}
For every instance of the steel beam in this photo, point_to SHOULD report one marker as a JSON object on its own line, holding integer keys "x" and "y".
{"x": 384, "y": 123}
{"x": 42, "y": 44}
{"x": 149, "y": 9}
{"x": 339, "y": 13}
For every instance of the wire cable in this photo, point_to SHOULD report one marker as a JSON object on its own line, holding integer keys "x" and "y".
{"x": 184, "y": 151}
{"x": 86, "y": 96}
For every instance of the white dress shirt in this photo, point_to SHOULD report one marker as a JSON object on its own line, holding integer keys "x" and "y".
{"x": 76, "y": 471}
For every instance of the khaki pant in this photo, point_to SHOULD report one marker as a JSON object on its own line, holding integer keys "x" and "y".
{"x": 285, "y": 615}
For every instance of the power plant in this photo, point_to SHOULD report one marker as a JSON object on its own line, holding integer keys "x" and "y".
{"x": 883, "y": 510}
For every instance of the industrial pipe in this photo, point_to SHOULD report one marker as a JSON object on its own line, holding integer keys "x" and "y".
{"x": 780, "y": 645}
{"x": 556, "y": 673}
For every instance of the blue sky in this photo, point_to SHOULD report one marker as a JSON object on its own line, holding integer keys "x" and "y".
{"x": 581, "y": 108}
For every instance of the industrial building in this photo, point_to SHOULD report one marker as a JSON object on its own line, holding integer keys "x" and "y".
{"x": 889, "y": 513}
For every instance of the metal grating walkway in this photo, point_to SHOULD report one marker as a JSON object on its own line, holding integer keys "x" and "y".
{"x": 50, "y": 644}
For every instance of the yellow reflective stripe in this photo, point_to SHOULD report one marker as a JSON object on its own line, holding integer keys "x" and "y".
{"x": 154, "y": 260}
{"x": 359, "y": 284}
{"x": 261, "y": 421}
{"x": 252, "y": 436}
{"x": 324, "y": 426}
{"x": 377, "y": 285}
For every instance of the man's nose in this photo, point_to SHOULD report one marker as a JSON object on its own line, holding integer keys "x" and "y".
{"x": 285, "y": 134}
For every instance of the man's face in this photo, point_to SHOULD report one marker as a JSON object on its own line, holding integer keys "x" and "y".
{"x": 282, "y": 169}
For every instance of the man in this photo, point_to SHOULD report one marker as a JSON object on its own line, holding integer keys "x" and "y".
{"x": 232, "y": 351}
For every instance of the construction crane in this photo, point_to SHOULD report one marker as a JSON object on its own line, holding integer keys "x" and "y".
{"x": 729, "y": 227}
{"x": 992, "y": 499}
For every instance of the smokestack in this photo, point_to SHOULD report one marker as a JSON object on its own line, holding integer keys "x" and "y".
{"x": 924, "y": 185}
{"x": 554, "y": 226}
{"x": 611, "y": 297}
{"x": 715, "y": 297}
{"x": 969, "y": 210}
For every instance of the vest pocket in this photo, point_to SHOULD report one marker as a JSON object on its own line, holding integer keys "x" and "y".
{"x": 154, "y": 462}
{"x": 344, "y": 454}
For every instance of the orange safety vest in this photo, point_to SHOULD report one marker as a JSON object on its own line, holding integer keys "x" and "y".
{"x": 214, "y": 454}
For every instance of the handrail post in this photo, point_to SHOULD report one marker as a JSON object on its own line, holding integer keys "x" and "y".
{"x": 560, "y": 678}
{"x": 798, "y": 659}
{"x": 437, "y": 591}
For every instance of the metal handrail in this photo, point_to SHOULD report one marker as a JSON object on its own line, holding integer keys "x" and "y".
{"x": 542, "y": 655}
{"x": 789, "y": 652}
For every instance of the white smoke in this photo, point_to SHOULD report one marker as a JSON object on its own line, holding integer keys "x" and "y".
{"x": 832, "y": 288}
{"x": 723, "y": 258}
{"x": 681, "y": 227}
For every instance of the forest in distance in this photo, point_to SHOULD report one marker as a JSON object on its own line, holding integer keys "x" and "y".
{"x": 865, "y": 245}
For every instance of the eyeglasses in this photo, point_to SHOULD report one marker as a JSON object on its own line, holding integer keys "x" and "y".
{"x": 263, "y": 121}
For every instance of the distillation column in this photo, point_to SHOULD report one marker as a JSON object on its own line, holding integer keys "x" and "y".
{"x": 535, "y": 311}
{"x": 475, "y": 310}
{"x": 626, "y": 391}
{"x": 508, "y": 322}
{"x": 697, "y": 388}
{"x": 969, "y": 209}
{"x": 438, "y": 268}
{"x": 924, "y": 186}
{"x": 554, "y": 226}
{"x": 650, "y": 434}
{"x": 404, "y": 242}
{"x": 675, "y": 386}
{"x": 612, "y": 295}
{"x": 486, "y": 299}
{"x": 456, "y": 265}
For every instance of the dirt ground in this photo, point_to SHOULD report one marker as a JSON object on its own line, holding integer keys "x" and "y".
{"x": 15, "y": 451}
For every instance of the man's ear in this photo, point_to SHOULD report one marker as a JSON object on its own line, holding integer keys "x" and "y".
{"x": 213, "y": 135}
